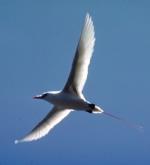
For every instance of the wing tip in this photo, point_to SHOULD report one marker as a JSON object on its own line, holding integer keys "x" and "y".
{"x": 88, "y": 25}
{"x": 20, "y": 141}
{"x": 16, "y": 141}
{"x": 88, "y": 17}
{"x": 87, "y": 14}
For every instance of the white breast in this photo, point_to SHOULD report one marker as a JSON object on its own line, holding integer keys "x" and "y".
{"x": 67, "y": 100}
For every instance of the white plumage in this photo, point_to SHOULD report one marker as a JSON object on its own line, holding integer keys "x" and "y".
{"x": 79, "y": 71}
{"x": 52, "y": 118}
{"x": 71, "y": 96}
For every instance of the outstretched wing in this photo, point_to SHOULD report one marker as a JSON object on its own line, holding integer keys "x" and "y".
{"x": 79, "y": 70}
{"x": 52, "y": 118}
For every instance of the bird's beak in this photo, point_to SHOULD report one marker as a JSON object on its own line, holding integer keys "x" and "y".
{"x": 37, "y": 97}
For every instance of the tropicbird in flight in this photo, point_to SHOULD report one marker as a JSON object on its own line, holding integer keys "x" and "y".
{"x": 71, "y": 97}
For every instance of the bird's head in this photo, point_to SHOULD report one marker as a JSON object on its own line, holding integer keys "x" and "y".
{"x": 42, "y": 96}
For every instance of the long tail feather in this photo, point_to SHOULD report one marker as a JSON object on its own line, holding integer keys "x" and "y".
{"x": 130, "y": 124}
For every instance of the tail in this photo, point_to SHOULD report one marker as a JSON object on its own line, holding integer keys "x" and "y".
{"x": 95, "y": 109}
{"x": 128, "y": 123}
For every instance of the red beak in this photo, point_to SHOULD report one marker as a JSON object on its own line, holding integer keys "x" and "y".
{"x": 37, "y": 97}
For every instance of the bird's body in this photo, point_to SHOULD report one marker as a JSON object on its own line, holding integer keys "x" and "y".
{"x": 71, "y": 97}
{"x": 66, "y": 100}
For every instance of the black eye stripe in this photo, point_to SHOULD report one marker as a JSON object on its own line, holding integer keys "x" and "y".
{"x": 44, "y": 95}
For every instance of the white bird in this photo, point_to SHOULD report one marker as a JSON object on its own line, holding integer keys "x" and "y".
{"x": 71, "y": 97}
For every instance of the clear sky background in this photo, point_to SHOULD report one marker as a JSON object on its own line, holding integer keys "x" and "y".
{"x": 37, "y": 43}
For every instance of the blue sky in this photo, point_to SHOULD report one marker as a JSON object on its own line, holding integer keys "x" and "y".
{"x": 37, "y": 44}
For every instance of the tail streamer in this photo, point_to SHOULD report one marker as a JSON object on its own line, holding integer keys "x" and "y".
{"x": 130, "y": 124}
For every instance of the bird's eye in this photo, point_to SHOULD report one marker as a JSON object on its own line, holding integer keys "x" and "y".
{"x": 44, "y": 95}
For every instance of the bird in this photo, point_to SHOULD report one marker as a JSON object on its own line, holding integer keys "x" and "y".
{"x": 71, "y": 97}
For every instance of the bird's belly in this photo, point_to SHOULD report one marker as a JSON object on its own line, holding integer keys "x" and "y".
{"x": 69, "y": 101}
